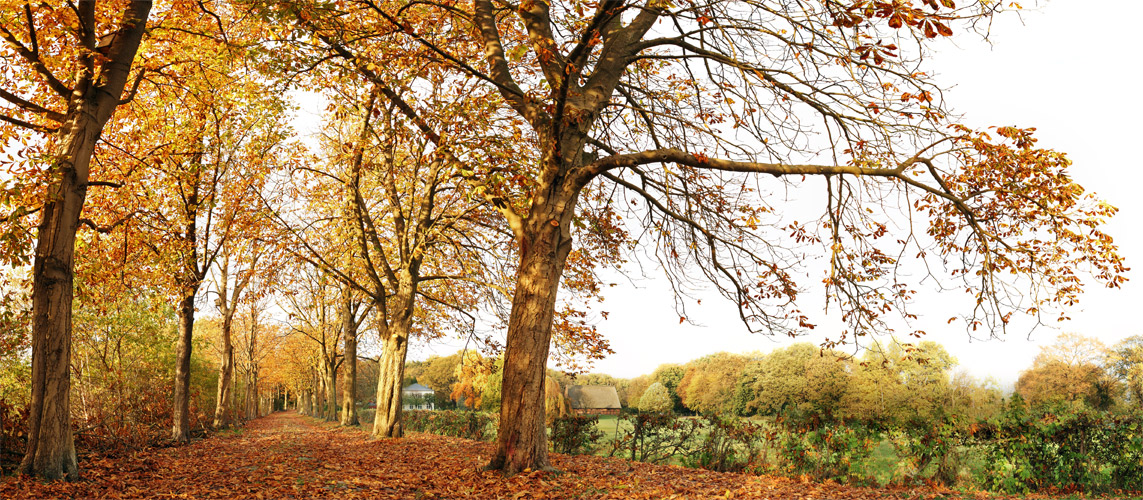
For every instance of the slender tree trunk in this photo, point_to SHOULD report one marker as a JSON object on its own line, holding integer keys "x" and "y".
{"x": 522, "y": 441}
{"x": 234, "y": 385}
{"x": 256, "y": 395}
{"x": 189, "y": 279}
{"x": 50, "y": 453}
{"x": 312, "y": 394}
{"x": 246, "y": 413}
{"x": 251, "y": 406}
{"x": 314, "y": 406}
{"x": 349, "y": 394}
{"x": 225, "y": 372}
{"x": 180, "y": 431}
{"x": 190, "y": 276}
{"x": 319, "y": 396}
{"x": 329, "y": 380}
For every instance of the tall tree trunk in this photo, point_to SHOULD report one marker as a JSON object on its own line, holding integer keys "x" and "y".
{"x": 314, "y": 400}
{"x": 50, "y": 453}
{"x": 180, "y": 430}
{"x": 249, "y": 393}
{"x": 349, "y": 394}
{"x": 251, "y": 407}
{"x": 522, "y": 441}
{"x": 391, "y": 366}
{"x": 390, "y": 374}
{"x": 225, "y": 372}
{"x": 189, "y": 279}
{"x": 329, "y": 380}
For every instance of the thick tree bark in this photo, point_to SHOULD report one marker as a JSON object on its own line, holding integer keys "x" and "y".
{"x": 522, "y": 441}
{"x": 180, "y": 412}
{"x": 391, "y": 371}
{"x": 349, "y": 392}
{"x": 391, "y": 366}
{"x": 349, "y": 332}
{"x": 304, "y": 403}
{"x": 50, "y": 453}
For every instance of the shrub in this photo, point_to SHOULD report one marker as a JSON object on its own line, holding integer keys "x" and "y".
{"x": 940, "y": 444}
{"x": 473, "y": 425}
{"x": 575, "y": 434}
{"x": 828, "y": 452}
{"x": 730, "y": 445}
{"x": 366, "y": 416}
{"x": 13, "y": 434}
{"x": 1068, "y": 451}
{"x": 656, "y": 437}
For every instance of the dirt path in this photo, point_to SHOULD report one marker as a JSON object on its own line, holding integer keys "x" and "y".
{"x": 288, "y": 456}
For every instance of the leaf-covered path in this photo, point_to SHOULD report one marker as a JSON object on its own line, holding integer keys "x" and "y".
{"x": 286, "y": 455}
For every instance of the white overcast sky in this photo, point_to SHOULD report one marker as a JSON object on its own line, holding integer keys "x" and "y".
{"x": 1070, "y": 69}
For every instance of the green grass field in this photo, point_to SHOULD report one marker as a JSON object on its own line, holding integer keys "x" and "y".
{"x": 608, "y": 424}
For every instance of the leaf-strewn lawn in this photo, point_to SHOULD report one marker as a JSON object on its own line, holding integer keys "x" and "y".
{"x": 288, "y": 456}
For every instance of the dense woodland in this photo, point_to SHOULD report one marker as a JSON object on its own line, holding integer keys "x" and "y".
{"x": 188, "y": 246}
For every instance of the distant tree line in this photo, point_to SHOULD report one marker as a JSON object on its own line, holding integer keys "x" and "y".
{"x": 896, "y": 384}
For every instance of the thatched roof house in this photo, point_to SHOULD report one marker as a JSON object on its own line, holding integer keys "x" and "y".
{"x": 593, "y": 399}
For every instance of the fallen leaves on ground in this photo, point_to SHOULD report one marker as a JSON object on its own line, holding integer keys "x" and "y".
{"x": 286, "y": 455}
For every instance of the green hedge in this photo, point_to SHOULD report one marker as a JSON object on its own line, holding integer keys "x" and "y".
{"x": 1069, "y": 451}
{"x": 473, "y": 425}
